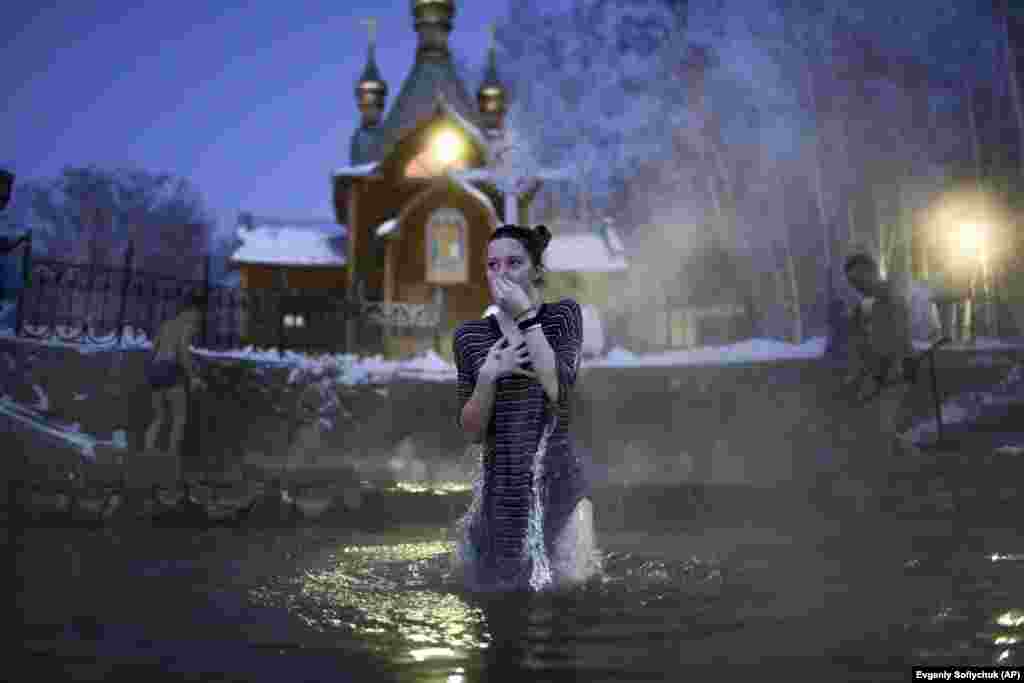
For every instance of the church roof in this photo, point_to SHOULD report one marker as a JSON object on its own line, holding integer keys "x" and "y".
{"x": 416, "y": 101}
{"x": 363, "y": 146}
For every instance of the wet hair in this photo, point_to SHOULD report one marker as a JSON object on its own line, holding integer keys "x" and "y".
{"x": 534, "y": 241}
{"x": 859, "y": 259}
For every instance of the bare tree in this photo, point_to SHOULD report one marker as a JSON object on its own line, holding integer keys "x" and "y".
{"x": 1003, "y": 15}
{"x": 88, "y": 214}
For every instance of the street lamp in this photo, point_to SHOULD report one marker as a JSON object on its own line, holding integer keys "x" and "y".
{"x": 972, "y": 242}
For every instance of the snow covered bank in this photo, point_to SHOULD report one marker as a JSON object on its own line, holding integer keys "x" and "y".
{"x": 70, "y": 435}
{"x": 973, "y": 406}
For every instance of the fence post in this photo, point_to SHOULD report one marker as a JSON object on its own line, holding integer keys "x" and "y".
{"x": 129, "y": 256}
{"x": 206, "y": 294}
{"x": 440, "y": 309}
{"x": 26, "y": 281}
{"x": 279, "y": 309}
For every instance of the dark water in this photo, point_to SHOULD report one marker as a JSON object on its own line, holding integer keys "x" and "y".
{"x": 784, "y": 587}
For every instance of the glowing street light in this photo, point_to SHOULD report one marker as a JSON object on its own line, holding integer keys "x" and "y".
{"x": 972, "y": 241}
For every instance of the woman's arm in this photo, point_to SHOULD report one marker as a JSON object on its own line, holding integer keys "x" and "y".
{"x": 543, "y": 358}
{"x": 476, "y": 414}
{"x": 555, "y": 351}
{"x": 476, "y": 395}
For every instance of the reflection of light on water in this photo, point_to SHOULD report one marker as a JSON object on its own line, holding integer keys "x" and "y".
{"x": 1012, "y": 619}
{"x": 996, "y": 557}
{"x": 432, "y": 653}
{"x": 440, "y": 487}
{"x": 393, "y": 593}
{"x": 397, "y": 600}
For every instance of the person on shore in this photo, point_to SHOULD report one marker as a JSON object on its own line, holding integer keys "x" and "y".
{"x": 881, "y": 366}
{"x": 171, "y": 371}
{"x": 881, "y": 347}
{"x": 530, "y": 524}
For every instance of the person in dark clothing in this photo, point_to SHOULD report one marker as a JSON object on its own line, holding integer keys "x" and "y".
{"x": 169, "y": 369}
{"x": 530, "y": 525}
{"x": 879, "y": 355}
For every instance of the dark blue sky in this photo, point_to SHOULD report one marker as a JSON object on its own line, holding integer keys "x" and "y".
{"x": 250, "y": 100}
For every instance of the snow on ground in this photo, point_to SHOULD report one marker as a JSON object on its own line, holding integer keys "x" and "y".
{"x": 352, "y": 369}
{"x": 431, "y": 367}
{"x": 747, "y": 351}
{"x": 972, "y": 405}
{"x": 133, "y": 339}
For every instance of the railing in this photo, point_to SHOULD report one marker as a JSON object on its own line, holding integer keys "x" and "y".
{"x": 102, "y": 305}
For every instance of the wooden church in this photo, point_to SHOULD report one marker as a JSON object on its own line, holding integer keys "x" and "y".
{"x": 419, "y": 198}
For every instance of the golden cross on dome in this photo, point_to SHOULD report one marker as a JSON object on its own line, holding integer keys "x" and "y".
{"x": 371, "y": 28}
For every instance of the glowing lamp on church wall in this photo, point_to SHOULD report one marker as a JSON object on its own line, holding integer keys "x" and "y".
{"x": 446, "y": 151}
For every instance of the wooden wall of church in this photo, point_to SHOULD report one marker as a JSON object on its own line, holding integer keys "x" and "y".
{"x": 373, "y": 203}
{"x": 462, "y": 302}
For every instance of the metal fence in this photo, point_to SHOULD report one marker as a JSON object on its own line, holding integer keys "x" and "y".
{"x": 102, "y": 305}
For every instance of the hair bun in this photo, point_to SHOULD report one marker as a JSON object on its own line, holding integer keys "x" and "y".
{"x": 542, "y": 235}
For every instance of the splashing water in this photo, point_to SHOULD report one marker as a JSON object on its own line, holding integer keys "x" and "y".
{"x": 534, "y": 546}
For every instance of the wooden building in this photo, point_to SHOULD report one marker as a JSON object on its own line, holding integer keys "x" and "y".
{"x": 288, "y": 257}
{"x": 415, "y": 206}
{"x": 421, "y": 195}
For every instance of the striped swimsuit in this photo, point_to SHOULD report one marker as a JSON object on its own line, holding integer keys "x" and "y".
{"x": 521, "y": 411}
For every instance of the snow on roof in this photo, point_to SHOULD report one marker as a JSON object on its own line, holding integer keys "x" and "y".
{"x": 582, "y": 252}
{"x": 358, "y": 170}
{"x": 477, "y": 194}
{"x": 291, "y": 245}
{"x": 387, "y": 228}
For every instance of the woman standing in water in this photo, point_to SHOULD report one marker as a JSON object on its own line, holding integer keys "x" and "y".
{"x": 531, "y": 521}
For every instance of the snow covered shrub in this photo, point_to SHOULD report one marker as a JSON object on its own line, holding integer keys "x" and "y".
{"x": 320, "y": 384}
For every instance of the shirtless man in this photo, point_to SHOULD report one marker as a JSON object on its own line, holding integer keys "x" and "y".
{"x": 169, "y": 370}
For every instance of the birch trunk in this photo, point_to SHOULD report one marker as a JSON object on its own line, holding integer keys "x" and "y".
{"x": 1011, "y": 73}
{"x": 819, "y": 186}
{"x": 787, "y": 285}
{"x": 973, "y": 125}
